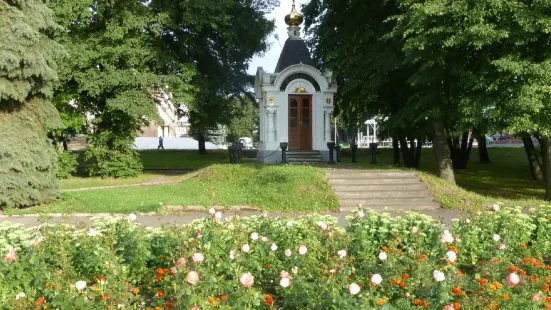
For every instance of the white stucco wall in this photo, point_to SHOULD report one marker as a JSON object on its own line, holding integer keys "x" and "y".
{"x": 321, "y": 127}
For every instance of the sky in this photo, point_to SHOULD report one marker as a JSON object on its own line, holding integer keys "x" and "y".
{"x": 269, "y": 60}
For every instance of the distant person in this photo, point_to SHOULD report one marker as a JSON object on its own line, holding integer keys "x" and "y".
{"x": 160, "y": 143}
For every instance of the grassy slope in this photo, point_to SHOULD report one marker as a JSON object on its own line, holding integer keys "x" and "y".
{"x": 82, "y": 182}
{"x": 281, "y": 188}
{"x": 507, "y": 179}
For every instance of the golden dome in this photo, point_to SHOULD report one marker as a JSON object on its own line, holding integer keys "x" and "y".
{"x": 294, "y": 18}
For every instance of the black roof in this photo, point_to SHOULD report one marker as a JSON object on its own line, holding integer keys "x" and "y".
{"x": 294, "y": 52}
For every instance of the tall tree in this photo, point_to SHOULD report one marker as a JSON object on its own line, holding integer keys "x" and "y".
{"x": 219, "y": 37}
{"x": 116, "y": 63}
{"x": 28, "y": 55}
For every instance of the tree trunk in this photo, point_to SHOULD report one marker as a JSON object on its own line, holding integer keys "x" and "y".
{"x": 396, "y": 150}
{"x": 442, "y": 151}
{"x": 533, "y": 161}
{"x": 405, "y": 151}
{"x": 483, "y": 155}
{"x": 202, "y": 147}
{"x": 65, "y": 147}
{"x": 545, "y": 144}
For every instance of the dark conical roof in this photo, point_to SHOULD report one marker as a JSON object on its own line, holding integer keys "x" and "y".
{"x": 294, "y": 52}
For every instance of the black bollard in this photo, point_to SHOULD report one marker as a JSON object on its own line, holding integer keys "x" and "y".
{"x": 373, "y": 147}
{"x": 238, "y": 148}
{"x": 339, "y": 147}
{"x": 354, "y": 148}
{"x": 331, "y": 146}
{"x": 283, "y": 146}
{"x": 231, "y": 151}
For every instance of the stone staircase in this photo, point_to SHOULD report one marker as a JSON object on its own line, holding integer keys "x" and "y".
{"x": 381, "y": 190}
{"x": 304, "y": 158}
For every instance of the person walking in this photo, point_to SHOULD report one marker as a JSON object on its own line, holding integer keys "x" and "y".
{"x": 160, "y": 143}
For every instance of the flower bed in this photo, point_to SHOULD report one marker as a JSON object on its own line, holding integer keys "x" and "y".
{"x": 496, "y": 260}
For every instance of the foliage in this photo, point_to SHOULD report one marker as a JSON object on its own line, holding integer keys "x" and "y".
{"x": 305, "y": 263}
{"x": 219, "y": 37}
{"x": 28, "y": 55}
{"x": 67, "y": 164}
{"x": 245, "y": 122}
{"x": 116, "y": 63}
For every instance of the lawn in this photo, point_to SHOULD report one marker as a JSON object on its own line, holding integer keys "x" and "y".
{"x": 147, "y": 177}
{"x": 267, "y": 187}
{"x": 507, "y": 179}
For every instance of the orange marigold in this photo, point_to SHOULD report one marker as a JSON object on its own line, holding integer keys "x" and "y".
{"x": 405, "y": 276}
{"x": 381, "y": 302}
{"x": 493, "y": 306}
{"x": 548, "y": 267}
{"x": 497, "y": 285}
{"x": 482, "y": 281}
{"x": 160, "y": 271}
{"x": 522, "y": 272}
{"x": 459, "y": 273}
{"x": 158, "y": 308}
{"x": 135, "y": 291}
{"x": 268, "y": 299}
{"x": 522, "y": 245}
{"x": 158, "y": 278}
{"x": 384, "y": 248}
{"x": 169, "y": 304}
{"x": 546, "y": 288}
{"x": 213, "y": 301}
{"x": 402, "y": 284}
{"x": 547, "y": 280}
{"x": 506, "y": 297}
{"x": 104, "y": 297}
{"x": 422, "y": 257}
{"x": 512, "y": 268}
{"x": 456, "y": 306}
{"x": 458, "y": 291}
{"x": 492, "y": 288}
{"x": 40, "y": 301}
{"x": 534, "y": 278}
{"x": 160, "y": 293}
{"x": 453, "y": 248}
{"x": 548, "y": 299}
{"x": 495, "y": 260}
{"x": 223, "y": 297}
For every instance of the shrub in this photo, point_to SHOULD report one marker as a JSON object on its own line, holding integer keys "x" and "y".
{"x": 67, "y": 164}
{"x": 262, "y": 263}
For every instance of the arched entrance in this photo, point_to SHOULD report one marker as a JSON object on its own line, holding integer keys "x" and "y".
{"x": 300, "y": 122}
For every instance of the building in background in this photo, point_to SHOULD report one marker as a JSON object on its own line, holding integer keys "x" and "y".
{"x": 175, "y": 119}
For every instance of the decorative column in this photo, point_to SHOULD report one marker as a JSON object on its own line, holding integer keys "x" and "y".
{"x": 272, "y": 125}
{"x": 327, "y": 124}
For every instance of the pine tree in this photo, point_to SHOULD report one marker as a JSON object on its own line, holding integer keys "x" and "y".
{"x": 28, "y": 160}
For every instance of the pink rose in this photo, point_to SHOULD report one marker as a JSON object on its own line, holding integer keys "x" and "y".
{"x": 285, "y": 282}
{"x": 181, "y": 262}
{"x": 197, "y": 258}
{"x": 322, "y": 225}
{"x": 446, "y": 237}
{"x": 513, "y": 279}
{"x": 195, "y": 307}
{"x": 218, "y": 215}
{"x": 264, "y": 213}
{"x": 414, "y": 229}
{"x": 264, "y": 238}
{"x": 535, "y": 298}
{"x": 12, "y": 255}
{"x": 192, "y": 277}
{"x": 501, "y": 246}
{"x": 448, "y": 307}
{"x": 246, "y": 280}
{"x": 198, "y": 234}
{"x": 354, "y": 289}
{"x": 376, "y": 279}
{"x": 284, "y": 274}
{"x": 212, "y": 211}
{"x": 302, "y": 250}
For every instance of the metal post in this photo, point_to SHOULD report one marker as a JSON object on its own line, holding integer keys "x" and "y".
{"x": 331, "y": 146}
{"x": 339, "y": 147}
{"x": 283, "y": 146}
{"x": 373, "y": 147}
{"x": 354, "y": 148}
{"x": 238, "y": 147}
{"x": 231, "y": 151}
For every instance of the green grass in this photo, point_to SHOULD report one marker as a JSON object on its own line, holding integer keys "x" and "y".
{"x": 507, "y": 179}
{"x": 267, "y": 187}
{"x": 83, "y": 182}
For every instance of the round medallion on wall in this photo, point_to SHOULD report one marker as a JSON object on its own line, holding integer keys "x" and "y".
{"x": 271, "y": 100}
{"x": 328, "y": 100}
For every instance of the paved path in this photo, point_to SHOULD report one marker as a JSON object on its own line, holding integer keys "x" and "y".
{"x": 442, "y": 215}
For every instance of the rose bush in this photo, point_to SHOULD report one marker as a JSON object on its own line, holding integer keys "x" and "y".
{"x": 276, "y": 263}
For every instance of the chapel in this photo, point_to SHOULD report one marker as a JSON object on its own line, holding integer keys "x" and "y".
{"x": 295, "y": 102}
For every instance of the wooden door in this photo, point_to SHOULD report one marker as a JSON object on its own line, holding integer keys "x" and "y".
{"x": 300, "y": 122}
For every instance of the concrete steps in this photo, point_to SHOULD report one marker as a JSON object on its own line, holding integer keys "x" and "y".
{"x": 304, "y": 157}
{"x": 381, "y": 190}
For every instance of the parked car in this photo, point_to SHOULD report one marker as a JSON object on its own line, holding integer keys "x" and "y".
{"x": 247, "y": 142}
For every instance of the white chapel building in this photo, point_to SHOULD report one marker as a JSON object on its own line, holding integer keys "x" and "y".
{"x": 296, "y": 101}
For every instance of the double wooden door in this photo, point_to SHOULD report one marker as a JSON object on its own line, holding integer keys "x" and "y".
{"x": 300, "y": 122}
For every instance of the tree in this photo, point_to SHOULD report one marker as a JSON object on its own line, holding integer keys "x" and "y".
{"x": 28, "y": 54}
{"x": 117, "y": 62}
{"x": 219, "y": 37}
{"x": 245, "y": 120}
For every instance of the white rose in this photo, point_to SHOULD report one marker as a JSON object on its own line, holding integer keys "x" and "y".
{"x": 376, "y": 279}
{"x": 438, "y": 276}
{"x": 254, "y": 236}
{"x": 80, "y": 285}
{"x": 496, "y": 237}
{"x": 341, "y": 253}
{"x": 382, "y": 255}
{"x": 273, "y": 247}
{"x": 285, "y": 282}
{"x": 452, "y": 257}
{"x": 132, "y": 217}
{"x": 212, "y": 211}
{"x": 245, "y": 248}
{"x": 288, "y": 253}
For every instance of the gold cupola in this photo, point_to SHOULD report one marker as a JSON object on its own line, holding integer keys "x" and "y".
{"x": 294, "y": 19}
